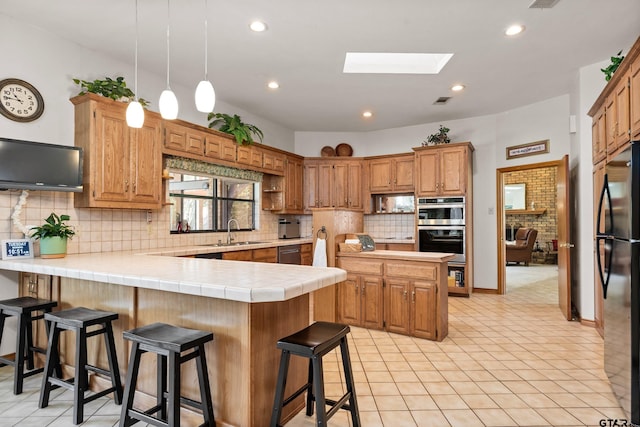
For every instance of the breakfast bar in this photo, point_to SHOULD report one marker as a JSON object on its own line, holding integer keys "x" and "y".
{"x": 247, "y": 306}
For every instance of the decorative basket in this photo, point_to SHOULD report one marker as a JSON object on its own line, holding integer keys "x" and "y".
{"x": 327, "y": 151}
{"x": 350, "y": 247}
{"x": 344, "y": 150}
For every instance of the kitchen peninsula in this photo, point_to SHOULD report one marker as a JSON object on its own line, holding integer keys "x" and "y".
{"x": 248, "y": 307}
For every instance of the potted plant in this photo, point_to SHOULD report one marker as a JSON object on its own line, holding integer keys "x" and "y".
{"x": 115, "y": 89}
{"x": 615, "y": 63}
{"x": 440, "y": 137}
{"x": 233, "y": 125}
{"x": 53, "y": 235}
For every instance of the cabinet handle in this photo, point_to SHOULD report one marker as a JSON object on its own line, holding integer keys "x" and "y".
{"x": 126, "y": 185}
{"x": 134, "y": 187}
{"x": 413, "y": 297}
{"x": 437, "y": 185}
{"x": 443, "y": 185}
{"x": 362, "y": 289}
{"x": 405, "y": 295}
{"x": 33, "y": 286}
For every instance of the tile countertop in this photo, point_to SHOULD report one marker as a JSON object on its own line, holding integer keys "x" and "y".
{"x": 231, "y": 280}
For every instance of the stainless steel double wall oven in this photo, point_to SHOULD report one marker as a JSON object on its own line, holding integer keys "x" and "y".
{"x": 441, "y": 225}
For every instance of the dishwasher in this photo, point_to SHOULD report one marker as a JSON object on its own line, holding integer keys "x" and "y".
{"x": 289, "y": 254}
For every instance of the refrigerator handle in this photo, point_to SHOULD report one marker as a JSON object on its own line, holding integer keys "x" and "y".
{"x": 605, "y": 190}
{"x": 603, "y": 280}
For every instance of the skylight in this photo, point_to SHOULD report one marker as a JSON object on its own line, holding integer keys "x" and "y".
{"x": 395, "y": 63}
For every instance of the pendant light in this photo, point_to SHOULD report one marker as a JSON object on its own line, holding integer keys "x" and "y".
{"x": 168, "y": 103}
{"x": 205, "y": 95}
{"x": 135, "y": 112}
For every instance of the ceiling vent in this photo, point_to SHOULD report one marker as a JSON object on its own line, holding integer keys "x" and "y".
{"x": 543, "y": 4}
{"x": 442, "y": 100}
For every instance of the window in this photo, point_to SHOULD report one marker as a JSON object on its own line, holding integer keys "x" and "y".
{"x": 206, "y": 203}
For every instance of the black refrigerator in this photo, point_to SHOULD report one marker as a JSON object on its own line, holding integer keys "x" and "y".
{"x": 620, "y": 277}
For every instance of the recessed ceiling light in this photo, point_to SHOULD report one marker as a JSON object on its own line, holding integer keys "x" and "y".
{"x": 457, "y": 88}
{"x": 258, "y": 26}
{"x": 395, "y": 63}
{"x": 273, "y": 85}
{"x": 514, "y": 29}
{"x": 367, "y": 114}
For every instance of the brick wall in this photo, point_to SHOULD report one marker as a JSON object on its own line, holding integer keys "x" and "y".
{"x": 540, "y": 189}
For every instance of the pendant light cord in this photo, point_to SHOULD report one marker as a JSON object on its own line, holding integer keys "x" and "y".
{"x": 168, "y": 35}
{"x": 206, "y": 40}
{"x": 135, "y": 66}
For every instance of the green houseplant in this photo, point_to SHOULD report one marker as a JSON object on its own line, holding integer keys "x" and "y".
{"x": 233, "y": 125}
{"x": 615, "y": 63}
{"x": 440, "y": 137}
{"x": 109, "y": 88}
{"x": 53, "y": 235}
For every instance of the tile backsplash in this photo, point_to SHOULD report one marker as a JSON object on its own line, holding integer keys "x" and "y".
{"x": 106, "y": 230}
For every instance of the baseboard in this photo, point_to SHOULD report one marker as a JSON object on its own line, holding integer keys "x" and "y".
{"x": 589, "y": 323}
{"x": 485, "y": 291}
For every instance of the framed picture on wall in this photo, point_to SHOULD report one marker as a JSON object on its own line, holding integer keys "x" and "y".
{"x": 530, "y": 149}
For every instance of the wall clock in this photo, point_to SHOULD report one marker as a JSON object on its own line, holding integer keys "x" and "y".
{"x": 20, "y": 101}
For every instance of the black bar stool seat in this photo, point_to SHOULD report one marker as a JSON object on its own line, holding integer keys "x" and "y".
{"x": 79, "y": 320}
{"x": 313, "y": 342}
{"x": 167, "y": 342}
{"x": 27, "y": 310}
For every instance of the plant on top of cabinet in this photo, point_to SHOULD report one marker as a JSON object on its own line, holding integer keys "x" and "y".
{"x": 115, "y": 89}
{"x": 53, "y": 235}
{"x": 615, "y": 62}
{"x": 440, "y": 137}
{"x": 233, "y": 125}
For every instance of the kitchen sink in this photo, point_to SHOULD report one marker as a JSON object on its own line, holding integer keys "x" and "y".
{"x": 218, "y": 245}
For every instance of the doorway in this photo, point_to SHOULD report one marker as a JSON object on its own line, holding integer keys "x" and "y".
{"x": 535, "y": 209}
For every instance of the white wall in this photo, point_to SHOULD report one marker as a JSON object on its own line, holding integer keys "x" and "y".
{"x": 8, "y": 289}
{"x": 50, "y": 63}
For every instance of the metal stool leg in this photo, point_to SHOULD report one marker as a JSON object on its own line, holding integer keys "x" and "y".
{"x": 174, "y": 390}
{"x": 21, "y": 340}
{"x": 113, "y": 363}
{"x": 310, "y": 397}
{"x": 28, "y": 324}
{"x": 52, "y": 359}
{"x": 318, "y": 385}
{"x": 161, "y": 385}
{"x": 130, "y": 387}
{"x": 348, "y": 376}
{"x": 280, "y": 386}
{"x": 81, "y": 379}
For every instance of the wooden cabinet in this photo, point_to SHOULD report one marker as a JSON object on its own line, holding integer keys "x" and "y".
{"x": 622, "y": 127}
{"x": 400, "y": 295}
{"x": 254, "y": 255}
{"x": 634, "y": 99}
{"x": 360, "y": 300}
{"x": 218, "y": 147}
{"x": 122, "y": 166}
{"x": 391, "y": 174}
{"x": 249, "y": 155}
{"x": 293, "y": 185}
{"x": 396, "y": 246}
{"x": 306, "y": 254}
{"x": 272, "y": 193}
{"x": 272, "y": 161}
{"x": 333, "y": 183}
{"x": 183, "y": 139}
{"x": 443, "y": 171}
{"x": 598, "y": 129}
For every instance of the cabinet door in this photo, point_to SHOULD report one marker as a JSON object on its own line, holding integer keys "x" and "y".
{"x": 349, "y": 300}
{"x": 238, "y": 255}
{"x": 111, "y": 181}
{"x": 146, "y": 162}
{"x": 311, "y": 176}
{"x": 380, "y": 175}
{"x": 218, "y": 147}
{"x": 249, "y": 155}
{"x": 372, "y": 302}
{"x": 265, "y": 255}
{"x": 622, "y": 126}
{"x": 325, "y": 186}
{"x": 354, "y": 183}
{"x": 453, "y": 171}
{"x": 610, "y": 122}
{"x": 427, "y": 169}
{"x": 181, "y": 138}
{"x": 634, "y": 100}
{"x": 293, "y": 185}
{"x": 423, "y": 314}
{"x": 341, "y": 185}
{"x": 403, "y": 174}
{"x": 397, "y": 306}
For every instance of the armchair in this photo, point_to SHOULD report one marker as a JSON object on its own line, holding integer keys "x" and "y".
{"x": 520, "y": 250}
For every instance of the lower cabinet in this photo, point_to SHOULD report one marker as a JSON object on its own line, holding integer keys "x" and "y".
{"x": 306, "y": 255}
{"x": 255, "y": 255}
{"x": 360, "y": 301}
{"x": 401, "y": 296}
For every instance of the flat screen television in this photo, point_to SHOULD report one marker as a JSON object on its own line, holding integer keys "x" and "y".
{"x": 29, "y": 165}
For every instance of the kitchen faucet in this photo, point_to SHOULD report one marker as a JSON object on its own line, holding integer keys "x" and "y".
{"x": 229, "y": 239}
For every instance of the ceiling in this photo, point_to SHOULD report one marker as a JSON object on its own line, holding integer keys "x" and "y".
{"x": 305, "y": 45}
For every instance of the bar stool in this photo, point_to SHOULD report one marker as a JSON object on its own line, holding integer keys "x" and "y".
{"x": 78, "y": 320}
{"x": 313, "y": 342}
{"x": 167, "y": 342}
{"x": 25, "y": 309}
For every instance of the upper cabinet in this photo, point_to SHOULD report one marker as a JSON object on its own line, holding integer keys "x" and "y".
{"x": 183, "y": 139}
{"x": 217, "y": 147}
{"x": 293, "y": 184}
{"x": 443, "y": 170}
{"x": 122, "y": 166}
{"x": 391, "y": 174}
{"x": 616, "y": 112}
{"x": 333, "y": 183}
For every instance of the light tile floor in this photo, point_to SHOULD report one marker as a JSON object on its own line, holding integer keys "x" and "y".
{"x": 509, "y": 360}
